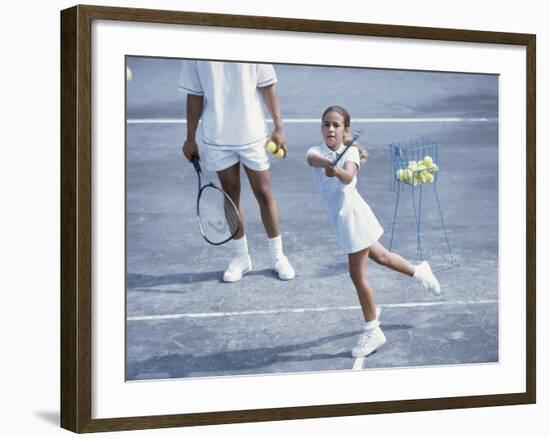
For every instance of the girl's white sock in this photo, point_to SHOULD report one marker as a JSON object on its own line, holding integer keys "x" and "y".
{"x": 371, "y": 325}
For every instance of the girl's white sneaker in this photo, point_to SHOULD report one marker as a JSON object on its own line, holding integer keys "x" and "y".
{"x": 369, "y": 342}
{"x": 424, "y": 273}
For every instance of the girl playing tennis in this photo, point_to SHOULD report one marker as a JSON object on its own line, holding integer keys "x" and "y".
{"x": 355, "y": 224}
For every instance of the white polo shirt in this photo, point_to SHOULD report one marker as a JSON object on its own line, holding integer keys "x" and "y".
{"x": 233, "y": 115}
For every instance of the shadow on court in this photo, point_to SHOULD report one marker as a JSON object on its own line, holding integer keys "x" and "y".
{"x": 240, "y": 361}
{"x": 137, "y": 281}
{"x": 140, "y": 281}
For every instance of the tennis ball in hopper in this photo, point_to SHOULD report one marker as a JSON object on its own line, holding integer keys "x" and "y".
{"x": 424, "y": 176}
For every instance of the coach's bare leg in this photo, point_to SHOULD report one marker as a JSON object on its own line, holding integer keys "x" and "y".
{"x": 260, "y": 181}
{"x": 240, "y": 264}
{"x": 261, "y": 186}
{"x": 230, "y": 180}
{"x": 390, "y": 259}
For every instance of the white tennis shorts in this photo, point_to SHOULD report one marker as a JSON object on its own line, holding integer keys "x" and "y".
{"x": 254, "y": 157}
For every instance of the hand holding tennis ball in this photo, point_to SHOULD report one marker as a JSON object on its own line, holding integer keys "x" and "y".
{"x": 271, "y": 147}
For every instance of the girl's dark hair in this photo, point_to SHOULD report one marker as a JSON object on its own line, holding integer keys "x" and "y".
{"x": 340, "y": 110}
{"x": 347, "y": 122}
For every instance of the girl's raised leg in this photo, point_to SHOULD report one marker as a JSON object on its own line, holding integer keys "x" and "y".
{"x": 422, "y": 272}
{"x": 390, "y": 259}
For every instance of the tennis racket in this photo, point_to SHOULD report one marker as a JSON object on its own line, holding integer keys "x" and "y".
{"x": 350, "y": 143}
{"x": 217, "y": 215}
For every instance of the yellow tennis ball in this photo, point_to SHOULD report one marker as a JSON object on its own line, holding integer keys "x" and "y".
{"x": 399, "y": 174}
{"x": 424, "y": 176}
{"x": 432, "y": 169}
{"x": 280, "y": 153}
{"x": 128, "y": 74}
{"x": 429, "y": 178}
{"x": 271, "y": 146}
{"x": 428, "y": 161}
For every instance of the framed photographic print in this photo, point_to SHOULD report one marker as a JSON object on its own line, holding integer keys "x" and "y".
{"x": 389, "y": 275}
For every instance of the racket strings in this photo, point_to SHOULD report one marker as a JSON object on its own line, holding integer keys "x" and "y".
{"x": 218, "y": 217}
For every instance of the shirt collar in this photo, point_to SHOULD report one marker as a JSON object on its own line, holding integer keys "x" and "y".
{"x": 329, "y": 151}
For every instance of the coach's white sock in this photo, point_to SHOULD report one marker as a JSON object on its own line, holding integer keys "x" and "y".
{"x": 240, "y": 247}
{"x": 240, "y": 264}
{"x": 276, "y": 248}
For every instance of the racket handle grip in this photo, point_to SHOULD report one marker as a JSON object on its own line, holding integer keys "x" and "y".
{"x": 196, "y": 164}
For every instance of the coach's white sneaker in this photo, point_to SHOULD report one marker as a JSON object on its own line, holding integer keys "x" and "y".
{"x": 284, "y": 269}
{"x": 237, "y": 268}
{"x": 424, "y": 273}
{"x": 369, "y": 342}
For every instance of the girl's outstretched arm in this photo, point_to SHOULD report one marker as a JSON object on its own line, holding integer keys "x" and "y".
{"x": 316, "y": 160}
{"x": 344, "y": 174}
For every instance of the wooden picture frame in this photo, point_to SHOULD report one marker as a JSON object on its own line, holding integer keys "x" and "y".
{"x": 76, "y": 217}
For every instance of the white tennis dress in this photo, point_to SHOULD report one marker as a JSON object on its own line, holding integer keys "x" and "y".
{"x": 355, "y": 224}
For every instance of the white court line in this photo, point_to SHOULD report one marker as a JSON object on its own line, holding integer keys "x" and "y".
{"x": 358, "y": 364}
{"x": 304, "y": 310}
{"x": 355, "y": 120}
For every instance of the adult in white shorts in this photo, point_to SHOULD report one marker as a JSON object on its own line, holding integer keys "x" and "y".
{"x": 225, "y": 96}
